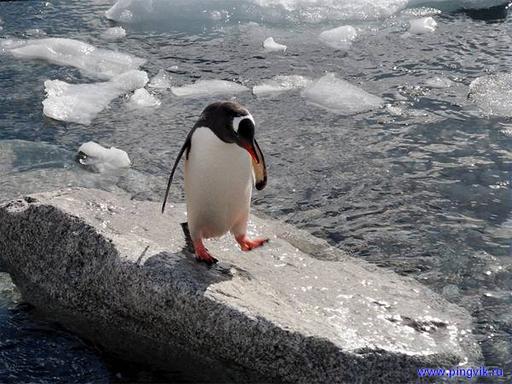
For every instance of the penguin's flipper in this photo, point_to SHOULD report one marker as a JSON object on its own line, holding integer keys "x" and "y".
{"x": 259, "y": 167}
{"x": 186, "y": 147}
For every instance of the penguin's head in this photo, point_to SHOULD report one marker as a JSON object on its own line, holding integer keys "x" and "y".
{"x": 232, "y": 123}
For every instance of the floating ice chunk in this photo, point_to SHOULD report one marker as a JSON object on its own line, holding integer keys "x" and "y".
{"x": 280, "y": 84}
{"x": 439, "y": 82}
{"x": 270, "y": 45}
{"x": 422, "y": 25}
{"x": 339, "y": 38}
{"x": 143, "y": 99}
{"x": 339, "y": 96}
{"x": 493, "y": 94}
{"x": 114, "y": 33}
{"x": 80, "y": 103}
{"x": 102, "y": 63}
{"x": 421, "y": 12}
{"x": 101, "y": 159}
{"x": 161, "y": 80}
{"x": 209, "y": 87}
{"x": 35, "y": 32}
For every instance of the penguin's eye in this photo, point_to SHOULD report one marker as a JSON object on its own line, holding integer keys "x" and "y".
{"x": 239, "y": 122}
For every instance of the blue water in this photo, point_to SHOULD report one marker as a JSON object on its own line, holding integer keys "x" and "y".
{"x": 425, "y": 193}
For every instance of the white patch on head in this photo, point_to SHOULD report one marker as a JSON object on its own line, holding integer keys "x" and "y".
{"x": 237, "y": 120}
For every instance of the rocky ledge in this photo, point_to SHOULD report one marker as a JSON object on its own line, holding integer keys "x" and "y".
{"x": 121, "y": 274}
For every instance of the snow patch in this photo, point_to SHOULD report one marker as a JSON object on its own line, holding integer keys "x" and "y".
{"x": 209, "y": 88}
{"x": 101, "y": 159}
{"x": 280, "y": 84}
{"x": 102, "y": 63}
{"x": 80, "y": 103}
{"x": 339, "y": 96}
{"x": 339, "y": 38}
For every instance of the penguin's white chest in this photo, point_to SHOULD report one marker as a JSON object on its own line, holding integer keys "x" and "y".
{"x": 218, "y": 185}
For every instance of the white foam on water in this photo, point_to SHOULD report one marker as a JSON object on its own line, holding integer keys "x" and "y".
{"x": 493, "y": 94}
{"x": 114, "y": 33}
{"x": 339, "y": 96}
{"x": 339, "y": 38}
{"x": 209, "y": 88}
{"x": 80, "y": 103}
{"x": 422, "y": 25}
{"x": 143, "y": 99}
{"x": 102, "y": 63}
{"x": 101, "y": 159}
{"x": 280, "y": 84}
{"x": 162, "y": 80}
{"x": 270, "y": 45}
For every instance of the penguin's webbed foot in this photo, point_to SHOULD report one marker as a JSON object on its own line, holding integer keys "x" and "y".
{"x": 247, "y": 244}
{"x": 202, "y": 254}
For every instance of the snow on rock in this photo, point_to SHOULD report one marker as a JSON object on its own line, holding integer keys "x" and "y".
{"x": 270, "y": 45}
{"x": 339, "y": 38}
{"x": 101, "y": 159}
{"x": 280, "y": 84}
{"x": 339, "y": 96}
{"x": 493, "y": 94}
{"x": 102, "y": 63}
{"x": 143, "y": 99}
{"x": 162, "y": 80}
{"x": 422, "y": 25}
{"x": 209, "y": 88}
{"x": 439, "y": 82}
{"x": 114, "y": 33}
{"x": 80, "y": 103}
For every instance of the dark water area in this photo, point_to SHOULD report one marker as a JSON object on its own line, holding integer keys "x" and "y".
{"x": 420, "y": 186}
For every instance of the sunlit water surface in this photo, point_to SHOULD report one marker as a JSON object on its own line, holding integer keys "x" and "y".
{"x": 421, "y": 187}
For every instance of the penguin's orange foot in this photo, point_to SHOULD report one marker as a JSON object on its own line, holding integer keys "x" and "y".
{"x": 247, "y": 244}
{"x": 202, "y": 253}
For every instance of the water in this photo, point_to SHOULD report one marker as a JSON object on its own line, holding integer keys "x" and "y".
{"x": 421, "y": 186}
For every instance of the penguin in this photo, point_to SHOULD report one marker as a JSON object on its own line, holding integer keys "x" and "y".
{"x": 222, "y": 163}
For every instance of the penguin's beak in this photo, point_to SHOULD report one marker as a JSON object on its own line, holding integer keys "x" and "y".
{"x": 258, "y": 162}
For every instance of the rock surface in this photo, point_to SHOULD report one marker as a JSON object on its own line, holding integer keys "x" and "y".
{"x": 297, "y": 310}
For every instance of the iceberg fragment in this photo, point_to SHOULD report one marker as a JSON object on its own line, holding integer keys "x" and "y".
{"x": 101, "y": 159}
{"x": 102, "y": 63}
{"x": 80, "y": 103}
{"x": 493, "y": 94}
{"x": 143, "y": 99}
{"x": 280, "y": 84}
{"x": 208, "y": 88}
{"x": 270, "y": 45}
{"x": 339, "y": 96}
{"x": 339, "y": 38}
{"x": 422, "y": 25}
{"x": 114, "y": 33}
{"x": 439, "y": 82}
{"x": 162, "y": 80}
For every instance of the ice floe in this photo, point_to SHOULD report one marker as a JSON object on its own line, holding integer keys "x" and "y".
{"x": 270, "y": 45}
{"x": 162, "y": 80}
{"x": 80, "y": 103}
{"x": 280, "y": 84}
{"x": 339, "y": 38}
{"x": 114, "y": 33}
{"x": 102, "y": 63}
{"x": 422, "y": 25}
{"x": 101, "y": 159}
{"x": 143, "y": 99}
{"x": 209, "y": 88}
{"x": 439, "y": 82}
{"x": 339, "y": 96}
{"x": 493, "y": 94}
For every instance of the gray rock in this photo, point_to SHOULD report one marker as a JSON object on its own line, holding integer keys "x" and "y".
{"x": 297, "y": 310}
